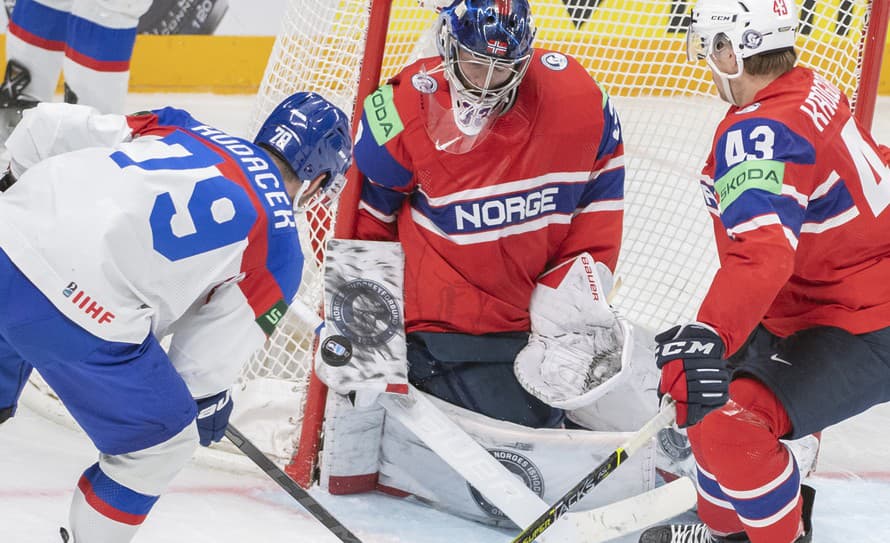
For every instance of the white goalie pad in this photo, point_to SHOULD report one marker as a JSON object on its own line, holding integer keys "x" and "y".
{"x": 363, "y": 303}
{"x": 549, "y": 462}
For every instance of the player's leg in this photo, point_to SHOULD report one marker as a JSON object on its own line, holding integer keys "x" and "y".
{"x": 784, "y": 388}
{"x": 14, "y": 371}
{"x": 476, "y": 373}
{"x": 128, "y": 398}
{"x": 36, "y": 40}
{"x": 101, "y": 35}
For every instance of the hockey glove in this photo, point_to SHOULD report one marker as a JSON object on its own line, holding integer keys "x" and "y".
{"x": 693, "y": 371}
{"x": 213, "y": 416}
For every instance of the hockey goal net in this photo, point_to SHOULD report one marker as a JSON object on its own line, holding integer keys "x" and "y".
{"x": 635, "y": 48}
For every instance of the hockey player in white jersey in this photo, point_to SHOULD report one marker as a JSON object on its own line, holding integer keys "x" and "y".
{"x": 116, "y": 231}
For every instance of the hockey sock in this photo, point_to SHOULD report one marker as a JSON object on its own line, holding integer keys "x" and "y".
{"x": 97, "y": 56}
{"x": 36, "y": 39}
{"x": 105, "y": 511}
{"x": 754, "y": 473}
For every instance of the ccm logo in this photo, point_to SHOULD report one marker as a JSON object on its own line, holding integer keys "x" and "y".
{"x": 686, "y": 347}
{"x": 87, "y": 304}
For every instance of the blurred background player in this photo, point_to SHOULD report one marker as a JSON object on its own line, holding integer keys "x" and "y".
{"x": 90, "y": 41}
{"x": 793, "y": 334}
{"x": 151, "y": 225}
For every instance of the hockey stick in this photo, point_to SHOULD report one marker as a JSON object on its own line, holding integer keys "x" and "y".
{"x": 296, "y": 491}
{"x": 469, "y": 459}
{"x": 534, "y": 530}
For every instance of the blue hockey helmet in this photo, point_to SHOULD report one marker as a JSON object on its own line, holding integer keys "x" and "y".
{"x": 486, "y": 46}
{"x": 312, "y": 136}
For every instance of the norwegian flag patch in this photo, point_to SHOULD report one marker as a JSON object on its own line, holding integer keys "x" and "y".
{"x": 496, "y": 47}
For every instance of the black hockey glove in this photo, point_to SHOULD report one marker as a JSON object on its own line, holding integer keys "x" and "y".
{"x": 693, "y": 371}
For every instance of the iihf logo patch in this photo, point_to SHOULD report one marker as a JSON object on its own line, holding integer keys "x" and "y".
{"x": 424, "y": 83}
{"x": 519, "y": 466}
{"x": 366, "y": 312}
{"x": 555, "y": 61}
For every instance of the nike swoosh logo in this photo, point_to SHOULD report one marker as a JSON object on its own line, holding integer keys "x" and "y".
{"x": 775, "y": 358}
{"x": 443, "y": 146}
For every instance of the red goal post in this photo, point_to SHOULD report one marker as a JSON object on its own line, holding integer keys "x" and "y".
{"x": 635, "y": 49}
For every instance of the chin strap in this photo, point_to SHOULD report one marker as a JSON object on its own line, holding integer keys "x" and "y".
{"x": 724, "y": 78}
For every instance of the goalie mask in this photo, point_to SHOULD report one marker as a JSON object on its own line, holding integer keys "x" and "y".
{"x": 312, "y": 136}
{"x": 485, "y": 47}
{"x": 748, "y": 27}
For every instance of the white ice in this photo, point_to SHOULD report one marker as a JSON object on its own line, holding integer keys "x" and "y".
{"x": 41, "y": 460}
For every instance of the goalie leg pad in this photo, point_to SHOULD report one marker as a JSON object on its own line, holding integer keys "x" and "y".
{"x": 351, "y": 453}
{"x": 548, "y": 461}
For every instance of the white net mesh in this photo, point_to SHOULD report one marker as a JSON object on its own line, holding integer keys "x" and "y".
{"x": 635, "y": 49}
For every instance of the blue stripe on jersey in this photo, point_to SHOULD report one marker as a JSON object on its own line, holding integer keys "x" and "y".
{"x": 116, "y": 494}
{"x": 42, "y": 21}
{"x": 611, "y": 131}
{"x": 607, "y": 186}
{"x": 770, "y": 503}
{"x": 100, "y": 42}
{"x": 755, "y": 203}
{"x": 760, "y": 139}
{"x": 710, "y": 487}
{"x": 382, "y": 199}
{"x": 375, "y": 161}
{"x": 501, "y": 210}
{"x": 833, "y": 203}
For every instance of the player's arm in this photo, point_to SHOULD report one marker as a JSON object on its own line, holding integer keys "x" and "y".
{"x": 597, "y": 225}
{"x": 379, "y": 155}
{"x": 759, "y": 168}
{"x": 54, "y": 128}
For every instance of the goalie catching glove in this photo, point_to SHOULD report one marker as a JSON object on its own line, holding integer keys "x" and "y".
{"x": 575, "y": 348}
{"x": 693, "y": 371}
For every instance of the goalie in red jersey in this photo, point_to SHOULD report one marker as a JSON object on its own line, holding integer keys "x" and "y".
{"x": 793, "y": 334}
{"x": 499, "y": 168}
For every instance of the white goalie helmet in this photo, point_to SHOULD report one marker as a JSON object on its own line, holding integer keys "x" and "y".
{"x": 751, "y": 27}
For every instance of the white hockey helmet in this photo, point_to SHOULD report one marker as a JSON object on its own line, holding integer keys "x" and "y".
{"x": 751, "y": 27}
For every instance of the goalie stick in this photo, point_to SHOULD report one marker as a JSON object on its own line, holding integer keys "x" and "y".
{"x": 664, "y": 418}
{"x": 296, "y": 491}
{"x": 467, "y": 457}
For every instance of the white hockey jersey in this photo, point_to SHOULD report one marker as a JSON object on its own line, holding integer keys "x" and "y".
{"x": 153, "y": 223}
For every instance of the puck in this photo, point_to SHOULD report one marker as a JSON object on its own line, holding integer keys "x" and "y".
{"x": 336, "y": 350}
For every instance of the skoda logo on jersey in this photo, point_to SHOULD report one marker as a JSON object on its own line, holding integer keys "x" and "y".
{"x": 555, "y": 61}
{"x": 518, "y": 465}
{"x": 424, "y": 83}
{"x": 752, "y": 39}
{"x": 366, "y": 312}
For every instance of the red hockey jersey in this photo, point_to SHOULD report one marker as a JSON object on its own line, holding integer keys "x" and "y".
{"x": 798, "y": 192}
{"x": 478, "y": 228}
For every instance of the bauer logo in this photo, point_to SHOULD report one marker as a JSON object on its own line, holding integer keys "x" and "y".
{"x": 555, "y": 61}
{"x": 366, "y": 312}
{"x": 519, "y": 466}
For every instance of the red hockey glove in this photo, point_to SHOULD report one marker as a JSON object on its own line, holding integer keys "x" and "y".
{"x": 693, "y": 371}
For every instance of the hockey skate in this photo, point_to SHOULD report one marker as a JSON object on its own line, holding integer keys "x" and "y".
{"x": 12, "y": 100}
{"x": 699, "y": 533}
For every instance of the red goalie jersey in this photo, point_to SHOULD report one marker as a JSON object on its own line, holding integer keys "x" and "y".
{"x": 478, "y": 228}
{"x": 799, "y": 193}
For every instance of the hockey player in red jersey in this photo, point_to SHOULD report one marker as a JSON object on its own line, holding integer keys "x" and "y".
{"x": 476, "y": 165}
{"x": 793, "y": 334}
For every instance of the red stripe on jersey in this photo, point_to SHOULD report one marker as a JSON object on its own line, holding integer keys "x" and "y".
{"x": 259, "y": 285}
{"x": 106, "y": 509}
{"x": 32, "y": 39}
{"x": 109, "y": 66}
